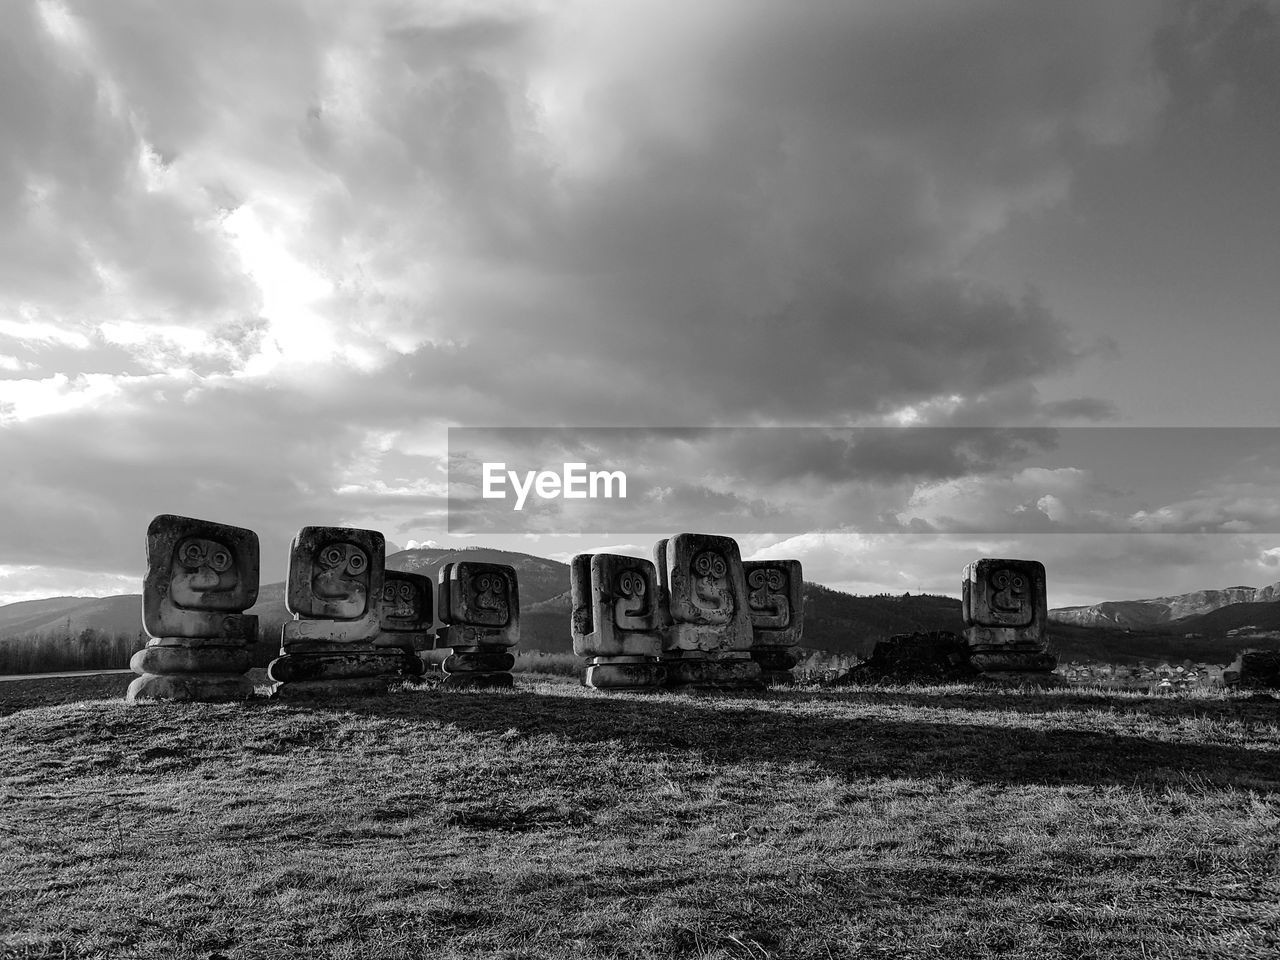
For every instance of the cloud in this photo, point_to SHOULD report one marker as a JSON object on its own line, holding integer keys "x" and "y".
{"x": 237, "y": 245}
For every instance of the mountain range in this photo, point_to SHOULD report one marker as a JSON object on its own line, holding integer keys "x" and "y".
{"x": 1210, "y": 625}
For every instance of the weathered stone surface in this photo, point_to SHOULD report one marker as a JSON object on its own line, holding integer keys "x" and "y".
{"x": 617, "y": 608}
{"x": 1004, "y": 603}
{"x": 406, "y": 612}
{"x": 333, "y": 666}
{"x": 480, "y": 681}
{"x": 775, "y": 602}
{"x": 625, "y": 676}
{"x": 479, "y": 604}
{"x": 336, "y": 574}
{"x": 706, "y": 591}
{"x": 305, "y": 690}
{"x": 189, "y": 688}
{"x": 1006, "y": 660}
{"x": 714, "y": 674}
{"x": 929, "y": 657}
{"x": 478, "y": 661}
{"x": 201, "y": 577}
{"x": 296, "y": 635}
{"x": 207, "y": 658}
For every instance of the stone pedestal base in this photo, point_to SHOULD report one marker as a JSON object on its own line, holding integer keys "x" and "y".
{"x": 190, "y": 670}
{"x": 190, "y": 687}
{"x": 720, "y": 673}
{"x": 1034, "y": 661}
{"x": 625, "y": 673}
{"x": 479, "y": 667}
{"x": 1016, "y": 666}
{"x": 333, "y": 673}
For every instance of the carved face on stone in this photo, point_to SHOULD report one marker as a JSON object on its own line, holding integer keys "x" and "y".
{"x": 1003, "y": 593}
{"x": 488, "y": 598}
{"x": 711, "y": 592}
{"x": 203, "y": 575}
{"x": 340, "y": 579}
{"x": 1010, "y": 593}
{"x": 767, "y": 597}
{"x": 406, "y": 602}
{"x": 633, "y": 600}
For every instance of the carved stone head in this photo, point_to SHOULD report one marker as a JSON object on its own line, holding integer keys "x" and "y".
{"x": 406, "y": 602}
{"x": 617, "y": 606}
{"x": 706, "y": 592}
{"x": 336, "y": 573}
{"x": 481, "y": 595}
{"x": 201, "y": 577}
{"x": 1004, "y": 593}
{"x": 774, "y": 600}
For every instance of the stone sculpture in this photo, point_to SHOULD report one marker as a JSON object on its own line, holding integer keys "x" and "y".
{"x": 405, "y": 618}
{"x": 1006, "y": 614}
{"x": 201, "y": 577}
{"x": 775, "y": 605}
{"x": 618, "y": 619}
{"x": 479, "y": 607}
{"x": 707, "y": 642}
{"x": 334, "y": 591}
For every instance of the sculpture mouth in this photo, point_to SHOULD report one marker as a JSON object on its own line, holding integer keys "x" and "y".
{"x": 338, "y": 590}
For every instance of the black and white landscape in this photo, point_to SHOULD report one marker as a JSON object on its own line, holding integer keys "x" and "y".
{"x": 882, "y": 287}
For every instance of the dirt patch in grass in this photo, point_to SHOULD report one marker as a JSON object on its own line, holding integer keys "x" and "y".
{"x": 553, "y": 821}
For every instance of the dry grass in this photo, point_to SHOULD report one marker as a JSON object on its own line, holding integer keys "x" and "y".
{"x": 554, "y": 821}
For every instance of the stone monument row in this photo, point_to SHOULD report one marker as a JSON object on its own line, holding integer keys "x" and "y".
{"x": 201, "y": 577}
{"x": 697, "y": 617}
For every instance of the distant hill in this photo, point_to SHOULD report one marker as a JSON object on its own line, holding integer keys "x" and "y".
{"x": 71, "y": 615}
{"x": 1139, "y": 614}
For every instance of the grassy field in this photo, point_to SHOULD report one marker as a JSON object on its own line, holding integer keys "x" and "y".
{"x": 552, "y": 821}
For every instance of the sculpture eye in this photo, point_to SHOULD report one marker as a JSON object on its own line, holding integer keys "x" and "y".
{"x": 332, "y": 556}
{"x": 702, "y": 564}
{"x": 220, "y": 561}
{"x": 389, "y": 591}
{"x": 637, "y": 585}
{"x": 1018, "y": 583}
{"x": 718, "y": 567}
{"x": 756, "y": 579}
{"x": 1001, "y": 580}
{"x": 406, "y": 591}
{"x": 775, "y": 580}
{"x": 356, "y": 562}
{"x": 499, "y": 584}
{"x": 191, "y": 554}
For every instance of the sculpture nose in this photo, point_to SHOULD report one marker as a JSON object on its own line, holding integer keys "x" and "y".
{"x": 203, "y": 579}
{"x": 331, "y": 585}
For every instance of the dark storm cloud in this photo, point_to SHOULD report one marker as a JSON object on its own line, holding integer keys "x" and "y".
{"x": 642, "y": 214}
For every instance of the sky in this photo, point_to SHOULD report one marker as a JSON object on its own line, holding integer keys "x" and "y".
{"x": 257, "y": 258}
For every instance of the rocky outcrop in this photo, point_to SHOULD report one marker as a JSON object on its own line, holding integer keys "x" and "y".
{"x": 1137, "y": 614}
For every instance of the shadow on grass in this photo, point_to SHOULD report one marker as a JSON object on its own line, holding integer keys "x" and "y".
{"x": 754, "y": 730}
